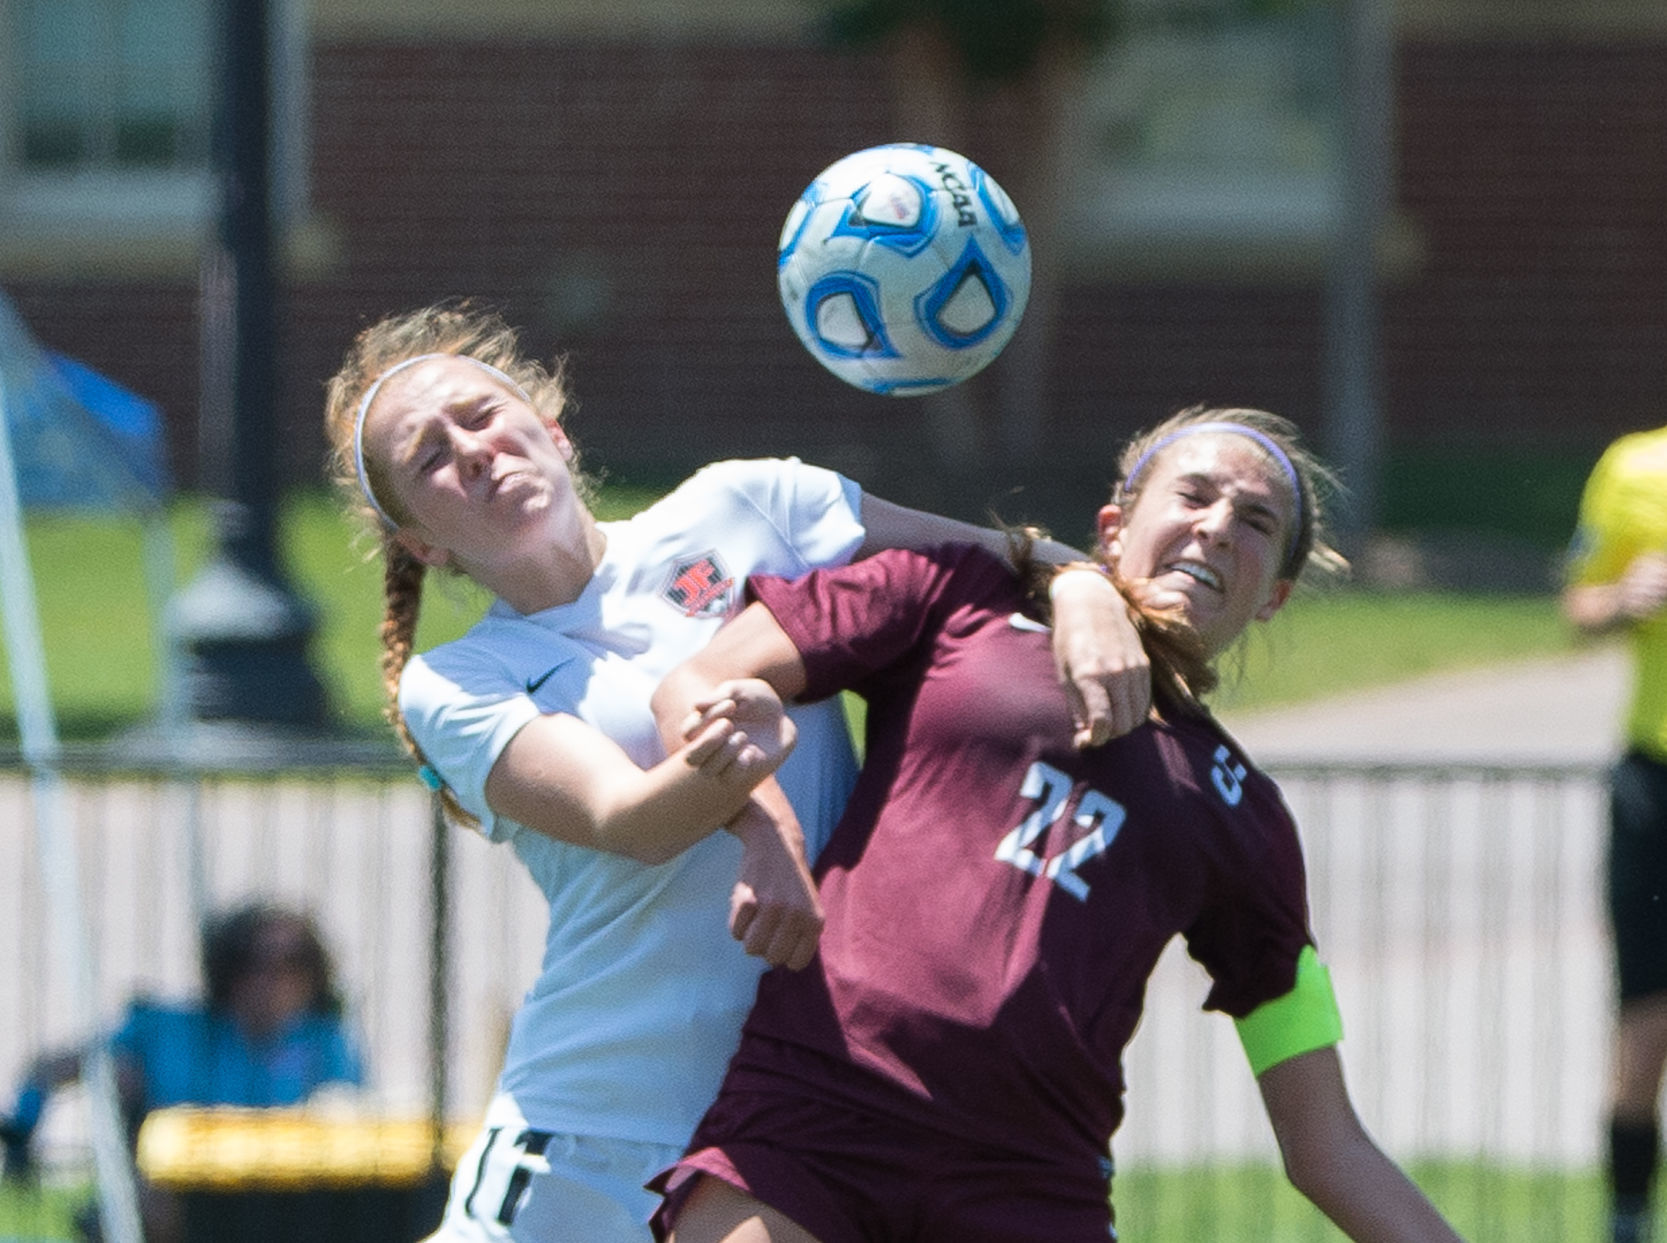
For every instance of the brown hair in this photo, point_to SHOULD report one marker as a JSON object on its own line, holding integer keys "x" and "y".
{"x": 231, "y": 946}
{"x": 444, "y": 328}
{"x": 1182, "y": 670}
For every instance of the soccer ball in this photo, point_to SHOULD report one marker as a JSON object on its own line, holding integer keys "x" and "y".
{"x": 904, "y": 268}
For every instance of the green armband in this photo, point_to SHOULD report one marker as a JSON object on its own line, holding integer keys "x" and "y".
{"x": 1301, "y": 1021}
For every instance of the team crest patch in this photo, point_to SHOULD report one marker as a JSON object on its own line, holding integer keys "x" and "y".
{"x": 700, "y": 587}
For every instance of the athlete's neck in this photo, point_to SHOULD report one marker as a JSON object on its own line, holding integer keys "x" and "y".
{"x": 557, "y": 576}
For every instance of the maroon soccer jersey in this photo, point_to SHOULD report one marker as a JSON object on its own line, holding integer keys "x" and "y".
{"x": 995, "y": 898}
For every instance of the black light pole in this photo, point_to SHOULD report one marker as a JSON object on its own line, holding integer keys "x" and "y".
{"x": 242, "y": 631}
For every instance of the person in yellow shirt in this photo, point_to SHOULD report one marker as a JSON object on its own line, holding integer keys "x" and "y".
{"x": 1617, "y": 581}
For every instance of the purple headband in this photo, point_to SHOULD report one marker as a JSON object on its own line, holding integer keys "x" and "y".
{"x": 1237, "y": 429}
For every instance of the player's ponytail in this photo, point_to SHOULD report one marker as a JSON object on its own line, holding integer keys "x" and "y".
{"x": 1181, "y": 669}
{"x": 402, "y": 594}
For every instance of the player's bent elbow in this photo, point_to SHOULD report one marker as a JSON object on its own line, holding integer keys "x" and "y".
{"x": 1331, "y": 1168}
{"x": 1307, "y": 1172}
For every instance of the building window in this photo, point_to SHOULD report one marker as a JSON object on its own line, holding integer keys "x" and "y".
{"x": 110, "y": 86}
{"x": 1217, "y": 134}
{"x": 106, "y": 120}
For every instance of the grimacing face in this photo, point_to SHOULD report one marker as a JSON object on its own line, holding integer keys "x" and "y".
{"x": 470, "y": 464}
{"x": 1208, "y": 530}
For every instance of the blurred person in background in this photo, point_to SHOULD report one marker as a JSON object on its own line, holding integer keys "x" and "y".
{"x": 949, "y": 1068}
{"x": 267, "y": 1032}
{"x": 1617, "y": 583}
{"x": 536, "y": 728}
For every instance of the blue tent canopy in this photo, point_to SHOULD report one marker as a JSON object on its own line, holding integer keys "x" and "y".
{"x": 78, "y": 439}
{"x": 74, "y": 441}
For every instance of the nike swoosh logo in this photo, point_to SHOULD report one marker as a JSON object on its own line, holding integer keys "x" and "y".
{"x": 541, "y": 679}
{"x": 1020, "y": 622}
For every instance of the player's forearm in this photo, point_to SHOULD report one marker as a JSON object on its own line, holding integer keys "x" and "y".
{"x": 1368, "y": 1197}
{"x": 675, "y": 807}
{"x": 1638, "y": 595}
{"x": 1331, "y": 1159}
{"x": 750, "y": 645}
{"x": 557, "y": 778}
{"x": 673, "y": 702}
{"x": 767, "y": 813}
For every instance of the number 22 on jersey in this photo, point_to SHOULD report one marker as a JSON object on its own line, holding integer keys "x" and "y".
{"x": 1099, "y": 816}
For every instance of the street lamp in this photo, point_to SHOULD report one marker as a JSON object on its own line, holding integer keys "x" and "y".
{"x": 242, "y": 632}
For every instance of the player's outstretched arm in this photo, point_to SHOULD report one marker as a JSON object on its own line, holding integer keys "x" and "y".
{"x": 564, "y": 778}
{"x": 1103, "y": 667}
{"x": 1331, "y": 1159}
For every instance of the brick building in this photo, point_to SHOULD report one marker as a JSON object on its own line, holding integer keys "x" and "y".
{"x": 615, "y": 176}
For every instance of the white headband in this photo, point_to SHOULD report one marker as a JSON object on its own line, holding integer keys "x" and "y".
{"x": 370, "y": 396}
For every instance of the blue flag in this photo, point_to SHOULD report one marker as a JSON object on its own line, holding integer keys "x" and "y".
{"x": 78, "y": 439}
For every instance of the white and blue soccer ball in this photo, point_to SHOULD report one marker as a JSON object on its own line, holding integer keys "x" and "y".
{"x": 904, "y": 268}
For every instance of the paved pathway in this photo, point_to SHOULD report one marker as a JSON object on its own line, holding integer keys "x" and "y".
{"x": 1557, "y": 709}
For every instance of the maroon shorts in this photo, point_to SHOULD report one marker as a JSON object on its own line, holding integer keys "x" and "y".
{"x": 850, "y": 1176}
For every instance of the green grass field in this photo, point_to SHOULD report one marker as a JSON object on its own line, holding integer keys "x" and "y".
{"x": 39, "y": 1213}
{"x": 99, "y": 632}
{"x": 1255, "y": 1204}
{"x": 1224, "y": 1204}
{"x": 1339, "y": 639}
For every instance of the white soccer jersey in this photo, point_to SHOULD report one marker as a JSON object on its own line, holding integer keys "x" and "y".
{"x": 642, "y": 990}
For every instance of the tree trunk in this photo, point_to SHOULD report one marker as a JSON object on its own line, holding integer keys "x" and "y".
{"x": 988, "y": 433}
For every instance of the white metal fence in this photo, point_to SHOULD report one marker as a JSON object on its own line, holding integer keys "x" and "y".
{"x": 1458, "y": 909}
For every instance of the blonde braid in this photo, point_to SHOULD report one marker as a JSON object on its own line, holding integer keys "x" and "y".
{"x": 402, "y": 594}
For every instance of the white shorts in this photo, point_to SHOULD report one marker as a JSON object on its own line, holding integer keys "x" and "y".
{"x": 530, "y": 1186}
